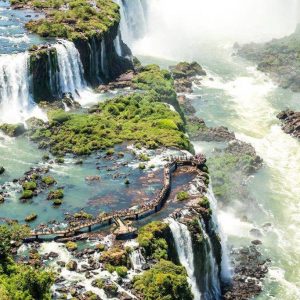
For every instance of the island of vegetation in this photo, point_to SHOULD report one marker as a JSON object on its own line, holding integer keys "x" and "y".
{"x": 279, "y": 58}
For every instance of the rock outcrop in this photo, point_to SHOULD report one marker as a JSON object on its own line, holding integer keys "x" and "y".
{"x": 290, "y": 122}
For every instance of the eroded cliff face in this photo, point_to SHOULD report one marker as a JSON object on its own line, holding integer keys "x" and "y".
{"x": 43, "y": 68}
{"x": 87, "y": 47}
{"x": 100, "y": 59}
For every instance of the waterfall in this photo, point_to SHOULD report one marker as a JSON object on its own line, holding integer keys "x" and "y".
{"x": 70, "y": 68}
{"x": 183, "y": 243}
{"x": 212, "y": 288}
{"x": 117, "y": 44}
{"x": 225, "y": 267}
{"x": 104, "y": 67}
{"x": 15, "y": 101}
{"x": 133, "y": 19}
{"x": 137, "y": 260}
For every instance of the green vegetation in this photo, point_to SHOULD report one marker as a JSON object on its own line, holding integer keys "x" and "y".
{"x": 280, "y": 58}
{"x": 71, "y": 246}
{"x": 29, "y": 185}
{"x": 99, "y": 283}
{"x": 57, "y": 194}
{"x": 196, "y": 231}
{"x": 48, "y": 180}
{"x": 142, "y": 166}
{"x": 164, "y": 281}
{"x": 122, "y": 271}
{"x": 161, "y": 84}
{"x": 12, "y": 130}
{"x": 57, "y": 202}
{"x": 137, "y": 117}
{"x": 152, "y": 238}
{"x": 83, "y": 215}
{"x": 31, "y": 217}
{"x": 18, "y": 281}
{"x": 182, "y": 196}
{"x": 81, "y": 19}
{"x": 115, "y": 257}
{"x": 144, "y": 157}
{"x": 27, "y": 194}
{"x": 185, "y": 70}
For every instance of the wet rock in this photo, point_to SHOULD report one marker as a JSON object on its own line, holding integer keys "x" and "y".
{"x": 71, "y": 265}
{"x": 2, "y": 170}
{"x": 35, "y": 123}
{"x": 61, "y": 263}
{"x": 256, "y": 242}
{"x": 13, "y": 130}
{"x": 250, "y": 269}
{"x": 198, "y": 130}
{"x": 92, "y": 178}
{"x": 290, "y": 122}
{"x": 256, "y": 232}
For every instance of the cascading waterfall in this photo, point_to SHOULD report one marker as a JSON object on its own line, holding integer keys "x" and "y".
{"x": 137, "y": 260}
{"x": 183, "y": 243}
{"x": 117, "y": 44}
{"x": 133, "y": 19}
{"x": 225, "y": 265}
{"x": 70, "y": 68}
{"x": 212, "y": 288}
{"x": 104, "y": 67}
{"x": 15, "y": 101}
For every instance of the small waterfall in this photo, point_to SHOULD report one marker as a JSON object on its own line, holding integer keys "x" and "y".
{"x": 117, "y": 44}
{"x": 133, "y": 19}
{"x": 183, "y": 243}
{"x": 15, "y": 100}
{"x": 137, "y": 260}
{"x": 212, "y": 288}
{"x": 225, "y": 267}
{"x": 70, "y": 68}
{"x": 104, "y": 67}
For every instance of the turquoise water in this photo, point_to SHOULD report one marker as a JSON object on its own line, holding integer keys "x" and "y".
{"x": 246, "y": 101}
{"x": 13, "y": 36}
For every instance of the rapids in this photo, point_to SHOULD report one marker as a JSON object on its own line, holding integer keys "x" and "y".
{"x": 246, "y": 101}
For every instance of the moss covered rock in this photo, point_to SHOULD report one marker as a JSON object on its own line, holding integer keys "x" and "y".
{"x": 136, "y": 117}
{"x": 115, "y": 257}
{"x": 31, "y": 217}
{"x": 164, "y": 281}
{"x": 13, "y": 130}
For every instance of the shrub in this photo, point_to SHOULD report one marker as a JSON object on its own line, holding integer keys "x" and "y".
{"x": 71, "y": 246}
{"x": 152, "y": 238}
{"x": 27, "y": 194}
{"x": 164, "y": 281}
{"x": 182, "y": 196}
{"x": 57, "y": 194}
{"x": 48, "y": 180}
{"x": 142, "y": 166}
{"x": 122, "y": 271}
{"x": 31, "y": 217}
{"x": 29, "y": 185}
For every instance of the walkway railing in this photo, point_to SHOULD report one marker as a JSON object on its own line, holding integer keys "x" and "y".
{"x": 152, "y": 207}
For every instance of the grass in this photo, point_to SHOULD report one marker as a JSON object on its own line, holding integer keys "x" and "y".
{"x": 72, "y": 19}
{"x": 137, "y": 117}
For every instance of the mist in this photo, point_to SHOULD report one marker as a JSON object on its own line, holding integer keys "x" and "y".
{"x": 175, "y": 26}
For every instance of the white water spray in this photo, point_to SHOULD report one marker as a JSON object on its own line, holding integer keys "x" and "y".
{"x": 133, "y": 19}
{"x": 16, "y": 104}
{"x": 184, "y": 248}
{"x": 225, "y": 264}
{"x": 197, "y": 22}
{"x": 70, "y": 68}
{"x": 212, "y": 282}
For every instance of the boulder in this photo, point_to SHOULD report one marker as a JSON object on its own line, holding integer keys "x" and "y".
{"x": 13, "y": 130}
{"x": 71, "y": 265}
